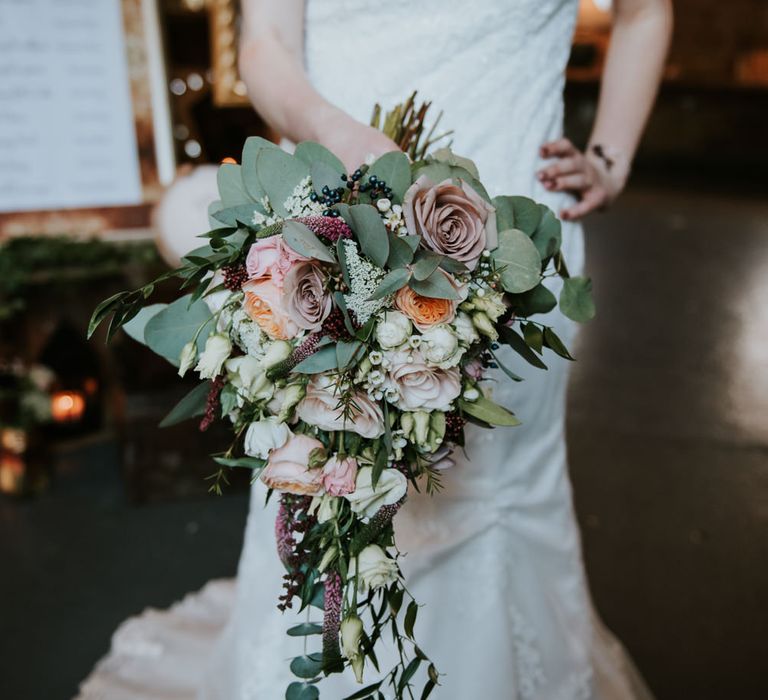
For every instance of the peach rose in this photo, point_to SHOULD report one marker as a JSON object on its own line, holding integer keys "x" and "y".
{"x": 428, "y": 311}
{"x": 264, "y": 304}
{"x": 320, "y": 407}
{"x": 339, "y": 475}
{"x": 287, "y": 468}
{"x": 271, "y": 257}
{"x": 451, "y": 219}
{"x": 420, "y": 387}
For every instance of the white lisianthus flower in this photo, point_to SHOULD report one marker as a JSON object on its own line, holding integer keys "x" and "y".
{"x": 465, "y": 329}
{"x": 249, "y": 377}
{"x": 374, "y": 568}
{"x": 217, "y": 349}
{"x": 276, "y": 352}
{"x": 285, "y": 401}
{"x": 440, "y": 346}
{"x": 265, "y": 435}
{"x": 366, "y": 500}
{"x": 351, "y": 630}
{"x": 187, "y": 357}
{"x": 484, "y": 325}
{"x": 491, "y": 303}
{"x": 393, "y": 329}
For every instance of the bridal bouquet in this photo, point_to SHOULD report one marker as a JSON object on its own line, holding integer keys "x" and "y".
{"x": 343, "y": 325}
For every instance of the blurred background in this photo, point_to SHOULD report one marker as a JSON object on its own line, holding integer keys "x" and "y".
{"x": 103, "y": 514}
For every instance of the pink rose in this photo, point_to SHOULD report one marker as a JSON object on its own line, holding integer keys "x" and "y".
{"x": 452, "y": 219}
{"x": 271, "y": 257}
{"x": 306, "y": 298}
{"x": 264, "y": 303}
{"x": 339, "y": 475}
{"x": 320, "y": 407}
{"x": 420, "y": 387}
{"x": 287, "y": 467}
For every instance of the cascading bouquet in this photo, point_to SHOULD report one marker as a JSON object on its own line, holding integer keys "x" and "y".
{"x": 343, "y": 324}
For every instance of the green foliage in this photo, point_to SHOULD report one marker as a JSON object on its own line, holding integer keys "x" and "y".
{"x": 305, "y": 629}
{"x": 436, "y": 285}
{"x": 395, "y": 170}
{"x": 400, "y": 251}
{"x": 576, "y": 300}
{"x": 487, "y": 411}
{"x": 520, "y": 346}
{"x": 279, "y": 174}
{"x": 517, "y": 261}
{"x": 168, "y": 331}
{"x": 311, "y": 153}
{"x": 136, "y": 326}
{"x": 232, "y": 190}
{"x": 371, "y": 232}
{"x": 323, "y": 360}
{"x": 193, "y": 404}
{"x": 391, "y": 282}
{"x": 303, "y": 241}
{"x": 250, "y": 178}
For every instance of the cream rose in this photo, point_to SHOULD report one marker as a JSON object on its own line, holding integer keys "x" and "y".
{"x": 320, "y": 407}
{"x": 366, "y": 500}
{"x": 264, "y": 436}
{"x": 374, "y": 568}
{"x": 440, "y": 346}
{"x": 287, "y": 468}
{"x": 393, "y": 329}
{"x": 418, "y": 386}
{"x": 452, "y": 219}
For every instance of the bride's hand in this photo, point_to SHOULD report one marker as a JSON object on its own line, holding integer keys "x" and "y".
{"x": 351, "y": 140}
{"x": 595, "y": 180}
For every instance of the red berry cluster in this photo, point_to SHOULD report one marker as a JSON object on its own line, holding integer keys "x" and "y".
{"x": 334, "y": 326}
{"x": 454, "y": 426}
{"x": 329, "y": 227}
{"x": 293, "y": 519}
{"x": 212, "y": 403}
{"x": 235, "y": 276}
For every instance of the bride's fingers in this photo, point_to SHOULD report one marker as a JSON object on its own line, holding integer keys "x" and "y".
{"x": 592, "y": 199}
{"x": 561, "y": 167}
{"x": 562, "y": 148}
{"x": 574, "y": 181}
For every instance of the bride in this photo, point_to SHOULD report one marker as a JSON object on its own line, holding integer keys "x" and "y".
{"x": 496, "y": 558}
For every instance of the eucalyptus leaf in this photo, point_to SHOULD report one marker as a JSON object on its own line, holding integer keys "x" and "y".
{"x": 489, "y": 412}
{"x": 576, "y": 300}
{"x": 518, "y": 261}
{"x": 538, "y": 300}
{"x": 323, "y": 360}
{"x": 302, "y": 691}
{"x": 168, "y": 331}
{"x": 521, "y": 213}
{"x": 298, "y": 237}
{"x": 446, "y": 155}
{"x": 193, "y": 404}
{"x": 135, "y": 327}
{"x": 232, "y": 190}
{"x": 371, "y": 232}
{"x": 240, "y": 214}
{"x": 426, "y": 263}
{"x": 323, "y": 175}
{"x": 436, "y": 286}
{"x": 214, "y": 207}
{"x": 520, "y": 346}
{"x": 307, "y": 666}
{"x": 413, "y": 242}
{"x": 348, "y": 353}
{"x": 400, "y": 252}
{"x": 253, "y": 146}
{"x": 391, "y": 282}
{"x": 548, "y": 234}
{"x": 311, "y": 152}
{"x": 279, "y": 174}
{"x": 395, "y": 169}
{"x": 534, "y": 336}
{"x": 305, "y": 629}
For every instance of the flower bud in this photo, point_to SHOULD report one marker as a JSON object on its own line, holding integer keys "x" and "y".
{"x": 421, "y": 428}
{"x": 484, "y": 326}
{"x": 187, "y": 357}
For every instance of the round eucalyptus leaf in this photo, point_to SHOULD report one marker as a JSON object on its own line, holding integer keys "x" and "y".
{"x": 518, "y": 261}
{"x": 576, "y": 300}
{"x": 168, "y": 331}
{"x": 307, "y": 666}
{"x": 302, "y": 691}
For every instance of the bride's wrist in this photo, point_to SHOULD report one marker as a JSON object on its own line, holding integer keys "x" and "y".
{"x": 613, "y": 163}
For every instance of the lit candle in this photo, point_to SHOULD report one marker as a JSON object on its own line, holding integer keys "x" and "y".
{"x": 67, "y": 406}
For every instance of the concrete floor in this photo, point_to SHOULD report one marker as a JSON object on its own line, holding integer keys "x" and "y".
{"x": 669, "y": 448}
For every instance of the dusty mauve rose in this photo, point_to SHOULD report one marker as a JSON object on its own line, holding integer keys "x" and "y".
{"x": 287, "y": 468}
{"x": 452, "y": 220}
{"x": 420, "y": 387}
{"x": 339, "y": 475}
{"x": 320, "y": 407}
{"x": 307, "y": 300}
{"x": 264, "y": 304}
{"x": 271, "y": 257}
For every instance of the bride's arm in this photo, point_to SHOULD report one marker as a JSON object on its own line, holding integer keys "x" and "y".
{"x": 271, "y": 64}
{"x": 633, "y": 68}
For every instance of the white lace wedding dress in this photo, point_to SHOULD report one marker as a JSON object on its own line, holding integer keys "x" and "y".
{"x": 496, "y": 558}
